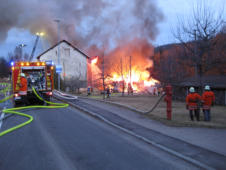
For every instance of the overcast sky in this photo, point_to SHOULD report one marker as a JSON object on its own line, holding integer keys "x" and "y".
{"x": 171, "y": 9}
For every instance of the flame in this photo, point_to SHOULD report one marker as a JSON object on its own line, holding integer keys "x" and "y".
{"x": 125, "y": 67}
{"x": 139, "y": 79}
{"x": 94, "y": 61}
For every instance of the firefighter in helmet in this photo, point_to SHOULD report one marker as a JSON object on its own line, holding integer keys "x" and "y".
{"x": 192, "y": 101}
{"x": 23, "y": 88}
{"x": 208, "y": 99}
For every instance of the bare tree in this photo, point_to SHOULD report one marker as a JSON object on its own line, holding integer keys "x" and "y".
{"x": 197, "y": 34}
{"x": 122, "y": 68}
{"x": 123, "y": 76}
{"x": 102, "y": 76}
{"x": 168, "y": 64}
{"x": 5, "y": 69}
{"x": 18, "y": 55}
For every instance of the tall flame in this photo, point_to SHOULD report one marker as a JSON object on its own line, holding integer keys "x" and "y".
{"x": 126, "y": 66}
{"x": 139, "y": 80}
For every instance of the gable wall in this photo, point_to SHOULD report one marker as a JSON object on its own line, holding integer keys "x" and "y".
{"x": 74, "y": 64}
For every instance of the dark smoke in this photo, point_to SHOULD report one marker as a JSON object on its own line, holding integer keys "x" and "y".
{"x": 85, "y": 23}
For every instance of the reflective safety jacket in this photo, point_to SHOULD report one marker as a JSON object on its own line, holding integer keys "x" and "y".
{"x": 23, "y": 86}
{"x": 192, "y": 100}
{"x": 208, "y": 98}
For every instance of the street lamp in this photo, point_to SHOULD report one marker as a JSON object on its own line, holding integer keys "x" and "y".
{"x": 58, "y": 48}
{"x": 21, "y": 47}
{"x": 40, "y": 34}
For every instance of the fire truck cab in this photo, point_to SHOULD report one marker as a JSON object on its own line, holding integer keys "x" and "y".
{"x": 39, "y": 75}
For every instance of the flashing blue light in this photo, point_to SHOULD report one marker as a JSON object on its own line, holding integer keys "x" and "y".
{"x": 58, "y": 68}
{"x": 12, "y": 63}
{"x": 49, "y": 62}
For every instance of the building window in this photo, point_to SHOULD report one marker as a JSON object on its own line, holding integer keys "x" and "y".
{"x": 67, "y": 52}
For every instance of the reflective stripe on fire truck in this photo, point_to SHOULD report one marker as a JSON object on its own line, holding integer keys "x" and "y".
{"x": 33, "y": 67}
{"x": 18, "y": 82}
{"x": 48, "y": 81}
{"x": 23, "y": 92}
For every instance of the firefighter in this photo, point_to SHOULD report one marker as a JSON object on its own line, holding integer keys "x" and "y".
{"x": 108, "y": 92}
{"x": 208, "y": 99}
{"x": 130, "y": 89}
{"x": 23, "y": 88}
{"x": 192, "y": 101}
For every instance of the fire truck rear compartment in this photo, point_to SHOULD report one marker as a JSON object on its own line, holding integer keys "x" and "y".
{"x": 35, "y": 78}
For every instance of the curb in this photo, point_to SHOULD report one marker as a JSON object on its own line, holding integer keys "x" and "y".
{"x": 171, "y": 123}
{"x": 117, "y": 104}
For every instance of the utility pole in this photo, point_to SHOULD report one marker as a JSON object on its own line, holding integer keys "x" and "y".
{"x": 103, "y": 78}
{"x": 130, "y": 69}
{"x": 198, "y": 63}
{"x": 58, "y": 49}
{"x": 123, "y": 86}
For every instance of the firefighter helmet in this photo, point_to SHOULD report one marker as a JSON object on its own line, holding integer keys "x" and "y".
{"x": 22, "y": 74}
{"x": 192, "y": 90}
{"x": 207, "y": 87}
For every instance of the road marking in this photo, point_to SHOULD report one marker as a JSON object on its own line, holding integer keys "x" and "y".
{"x": 1, "y": 118}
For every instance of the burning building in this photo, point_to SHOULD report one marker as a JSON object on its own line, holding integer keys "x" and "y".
{"x": 125, "y": 68}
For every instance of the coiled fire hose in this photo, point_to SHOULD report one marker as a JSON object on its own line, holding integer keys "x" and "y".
{"x": 14, "y": 111}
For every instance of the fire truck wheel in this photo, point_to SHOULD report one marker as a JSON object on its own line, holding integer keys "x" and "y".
{"x": 47, "y": 98}
{"x": 41, "y": 102}
{"x": 15, "y": 104}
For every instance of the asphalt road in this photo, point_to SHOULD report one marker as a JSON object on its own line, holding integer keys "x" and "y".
{"x": 200, "y": 156}
{"x": 67, "y": 139}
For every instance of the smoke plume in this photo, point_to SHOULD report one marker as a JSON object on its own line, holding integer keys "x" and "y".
{"x": 121, "y": 31}
{"x": 85, "y": 23}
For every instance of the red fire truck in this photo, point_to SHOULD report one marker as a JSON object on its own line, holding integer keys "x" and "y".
{"x": 38, "y": 74}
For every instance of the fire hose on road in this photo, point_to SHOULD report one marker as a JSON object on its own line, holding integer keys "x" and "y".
{"x": 14, "y": 111}
{"x": 64, "y": 96}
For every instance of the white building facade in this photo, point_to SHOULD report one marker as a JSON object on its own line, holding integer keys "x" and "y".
{"x": 73, "y": 62}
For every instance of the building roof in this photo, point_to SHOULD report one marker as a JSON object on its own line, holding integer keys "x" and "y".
{"x": 166, "y": 47}
{"x": 38, "y": 57}
{"x": 218, "y": 81}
